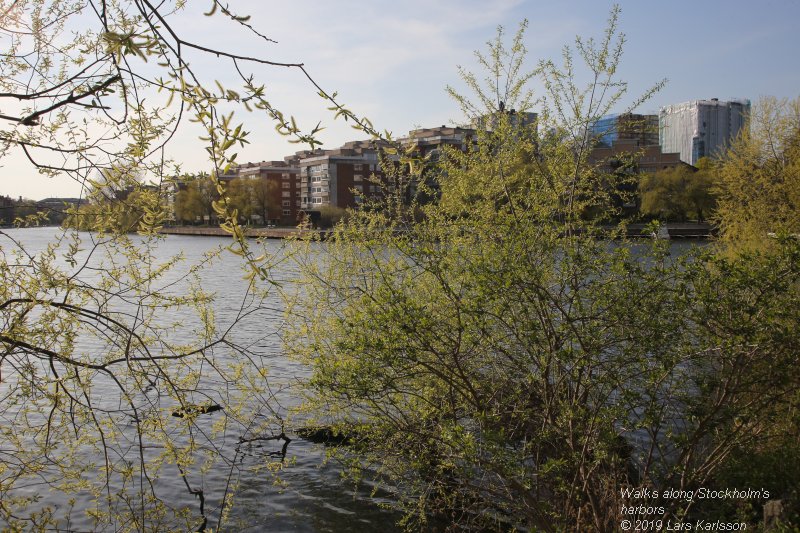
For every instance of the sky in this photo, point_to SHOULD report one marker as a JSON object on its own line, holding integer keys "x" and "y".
{"x": 391, "y": 61}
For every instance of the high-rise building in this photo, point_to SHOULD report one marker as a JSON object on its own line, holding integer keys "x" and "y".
{"x": 701, "y": 128}
{"x": 643, "y": 129}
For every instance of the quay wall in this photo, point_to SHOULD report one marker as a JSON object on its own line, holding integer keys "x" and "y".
{"x": 674, "y": 230}
{"x": 268, "y": 233}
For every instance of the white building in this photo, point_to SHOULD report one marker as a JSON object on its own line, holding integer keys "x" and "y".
{"x": 700, "y": 128}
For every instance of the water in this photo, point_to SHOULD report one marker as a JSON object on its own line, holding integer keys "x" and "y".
{"x": 307, "y": 494}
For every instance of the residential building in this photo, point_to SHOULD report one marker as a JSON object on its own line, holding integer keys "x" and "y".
{"x": 429, "y": 141}
{"x": 626, "y": 127}
{"x": 701, "y": 128}
{"x": 277, "y": 194}
{"x": 340, "y": 177}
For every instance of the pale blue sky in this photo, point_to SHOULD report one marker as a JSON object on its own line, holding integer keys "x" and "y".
{"x": 391, "y": 61}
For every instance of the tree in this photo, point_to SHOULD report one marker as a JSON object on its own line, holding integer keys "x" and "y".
{"x": 113, "y": 209}
{"x": 759, "y": 177}
{"x": 700, "y": 191}
{"x": 241, "y": 192}
{"x": 264, "y": 203}
{"x": 94, "y": 92}
{"x": 15, "y": 209}
{"x": 758, "y": 213}
{"x": 188, "y": 205}
{"x": 330, "y": 215}
{"x": 502, "y": 365}
{"x": 506, "y": 85}
{"x": 679, "y": 194}
{"x": 103, "y": 391}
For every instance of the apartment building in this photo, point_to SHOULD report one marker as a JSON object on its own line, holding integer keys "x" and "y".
{"x": 277, "y": 190}
{"x": 339, "y": 177}
{"x": 429, "y": 141}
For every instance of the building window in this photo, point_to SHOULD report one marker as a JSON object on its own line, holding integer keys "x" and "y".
{"x": 357, "y": 177}
{"x": 287, "y": 212}
{"x": 358, "y": 167}
{"x": 297, "y": 203}
{"x": 287, "y": 203}
{"x": 286, "y": 184}
{"x": 287, "y": 194}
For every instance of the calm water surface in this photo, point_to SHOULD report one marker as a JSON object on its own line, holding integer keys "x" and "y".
{"x": 311, "y": 496}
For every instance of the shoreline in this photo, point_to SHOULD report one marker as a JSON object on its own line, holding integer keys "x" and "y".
{"x": 255, "y": 233}
{"x": 677, "y": 230}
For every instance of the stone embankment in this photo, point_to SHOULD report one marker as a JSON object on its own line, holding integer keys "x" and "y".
{"x": 268, "y": 233}
{"x": 673, "y": 231}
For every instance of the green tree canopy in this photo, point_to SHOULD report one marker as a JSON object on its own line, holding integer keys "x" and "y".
{"x": 504, "y": 365}
{"x": 679, "y": 194}
{"x": 94, "y": 91}
{"x": 759, "y": 178}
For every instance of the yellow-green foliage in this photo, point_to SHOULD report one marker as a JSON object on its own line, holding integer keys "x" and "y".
{"x": 678, "y": 194}
{"x": 331, "y": 215}
{"x": 89, "y": 368}
{"x": 193, "y": 200}
{"x": 759, "y": 177}
{"x": 508, "y": 366}
{"x": 99, "y": 350}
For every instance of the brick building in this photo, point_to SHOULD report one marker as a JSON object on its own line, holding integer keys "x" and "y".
{"x": 632, "y": 157}
{"x": 345, "y": 176}
{"x": 276, "y": 189}
{"x": 340, "y": 177}
{"x": 646, "y": 158}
